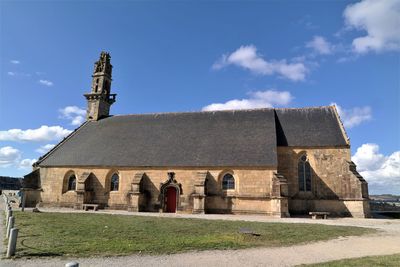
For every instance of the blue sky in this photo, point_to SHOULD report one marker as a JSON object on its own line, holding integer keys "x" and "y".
{"x": 192, "y": 56}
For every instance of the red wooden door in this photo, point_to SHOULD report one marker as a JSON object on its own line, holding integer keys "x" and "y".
{"x": 171, "y": 199}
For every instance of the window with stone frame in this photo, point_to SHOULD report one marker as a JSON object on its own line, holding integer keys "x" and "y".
{"x": 72, "y": 183}
{"x": 114, "y": 182}
{"x": 304, "y": 174}
{"x": 228, "y": 182}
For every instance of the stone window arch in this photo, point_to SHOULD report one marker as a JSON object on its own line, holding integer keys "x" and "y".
{"x": 304, "y": 174}
{"x": 114, "y": 182}
{"x": 228, "y": 181}
{"x": 71, "y": 182}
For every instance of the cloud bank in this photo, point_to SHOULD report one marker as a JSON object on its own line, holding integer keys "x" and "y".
{"x": 380, "y": 20}
{"x": 43, "y": 133}
{"x": 10, "y": 156}
{"x": 247, "y": 58}
{"x": 258, "y": 99}
{"x": 73, "y": 113}
{"x": 381, "y": 172}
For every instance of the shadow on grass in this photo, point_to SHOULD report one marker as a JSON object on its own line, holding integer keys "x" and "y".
{"x": 37, "y": 252}
{"x": 22, "y": 236}
{"x": 40, "y": 254}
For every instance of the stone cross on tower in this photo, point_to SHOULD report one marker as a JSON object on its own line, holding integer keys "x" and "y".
{"x": 100, "y": 99}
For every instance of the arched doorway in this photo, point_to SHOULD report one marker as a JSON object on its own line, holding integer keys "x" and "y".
{"x": 170, "y": 192}
{"x": 170, "y": 199}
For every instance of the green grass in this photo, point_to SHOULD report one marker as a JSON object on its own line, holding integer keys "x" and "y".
{"x": 82, "y": 235}
{"x": 373, "y": 261}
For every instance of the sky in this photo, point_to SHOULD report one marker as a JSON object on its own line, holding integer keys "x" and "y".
{"x": 171, "y": 56}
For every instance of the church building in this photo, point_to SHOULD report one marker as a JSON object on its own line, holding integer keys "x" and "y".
{"x": 271, "y": 161}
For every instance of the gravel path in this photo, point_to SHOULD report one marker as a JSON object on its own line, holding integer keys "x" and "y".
{"x": 385, "y": 242}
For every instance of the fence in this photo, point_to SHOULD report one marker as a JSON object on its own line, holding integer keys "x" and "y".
{"x": 11, "y": 232}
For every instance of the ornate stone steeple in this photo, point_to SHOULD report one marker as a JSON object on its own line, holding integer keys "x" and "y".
{"x": 100, "y": 98}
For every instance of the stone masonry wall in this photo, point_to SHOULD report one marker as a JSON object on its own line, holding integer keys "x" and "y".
{"x": 334, "y": 187}
{"x": 252, "y": 191}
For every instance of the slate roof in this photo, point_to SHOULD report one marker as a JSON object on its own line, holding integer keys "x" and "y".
{"x": 309, "y": 127}
{"x": 195, "y": 139}
{"x": 221, "y": 138}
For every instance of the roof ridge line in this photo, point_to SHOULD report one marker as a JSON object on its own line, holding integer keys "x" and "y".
{"x": 191, "y": 112}
{"x": 58, "y": 145}
{"x": 214, "y": 111}
{"x": 314, "y": 107}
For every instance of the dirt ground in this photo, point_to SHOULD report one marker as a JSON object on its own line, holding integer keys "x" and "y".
{"x": 385, "y": 242}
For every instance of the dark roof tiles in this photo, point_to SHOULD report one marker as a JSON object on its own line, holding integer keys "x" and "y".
{"x": 224, "y": 138}
{"x": 196, "y": 139}
{"x": 313, "y": 127}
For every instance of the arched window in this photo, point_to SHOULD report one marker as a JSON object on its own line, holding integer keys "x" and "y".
{"x": 304, "y": 172}
{"x": 72, "y": 182}
{"x": 228, "y": 182}
{"x": 114, "y": 182}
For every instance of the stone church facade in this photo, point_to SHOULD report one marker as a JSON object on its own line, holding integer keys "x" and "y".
{"x": 277, "y": 162}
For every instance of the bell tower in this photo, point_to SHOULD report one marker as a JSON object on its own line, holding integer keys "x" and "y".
{"x": 100, "y": 98}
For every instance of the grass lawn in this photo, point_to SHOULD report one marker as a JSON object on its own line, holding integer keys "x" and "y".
{"x": 373, "y": 261}
{"x": 77, "y": 234}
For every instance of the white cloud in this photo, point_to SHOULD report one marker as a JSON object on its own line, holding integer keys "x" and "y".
{"x": 26, "y": 163}
{"x": 258, "y": 99}
{"x": 14, "y": 61}
{"x": 9, "y": 156}
{"x": 355, "y": 116}
{"x": 44, "y": 149}
{"x": 247, "y": 58}
{"x": 379, "y": 170}
{"x": 46, "y": 82}
{"x": 44, "y": 133}
{"x": 380, "y": 19}
{"x": 18, "y": 74}
{"x": 320, "y": 45}
{"x": 73, "y": 113}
